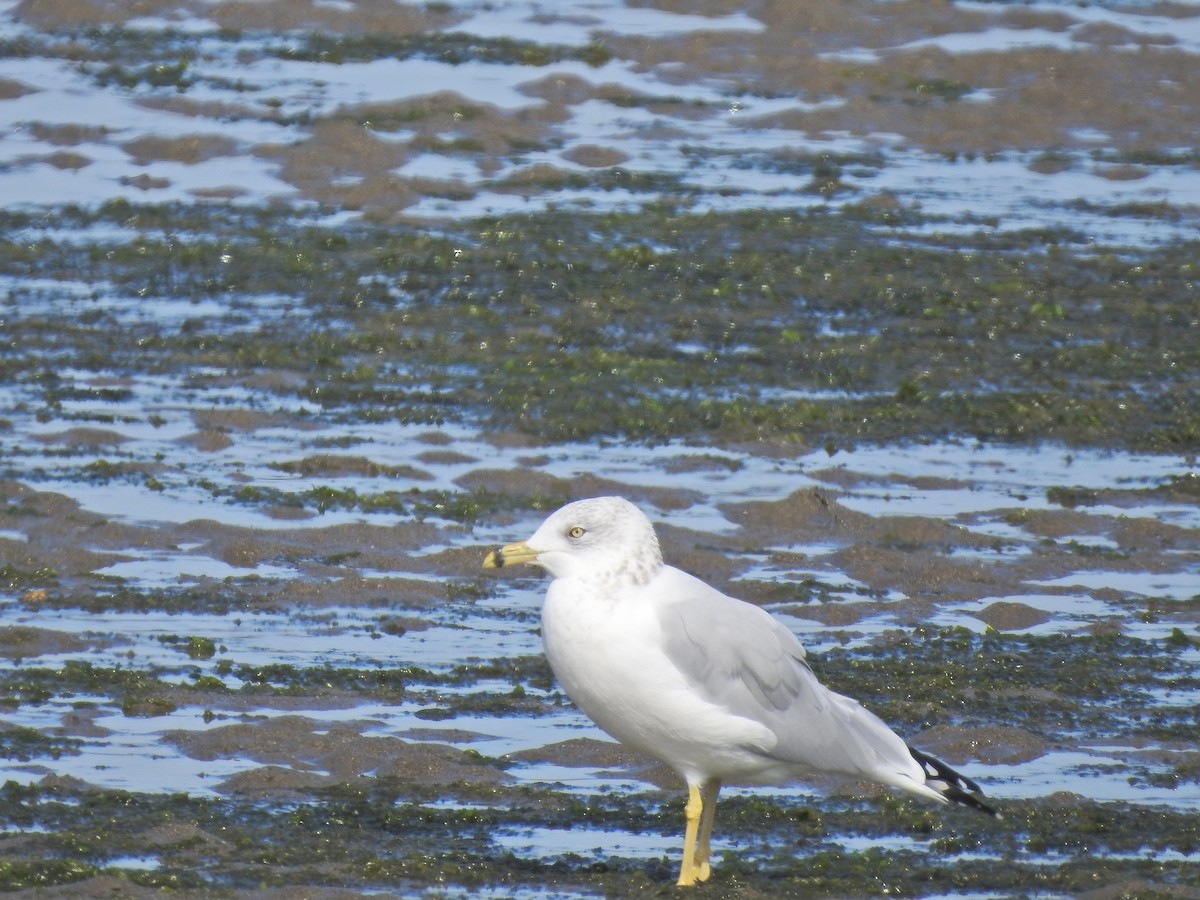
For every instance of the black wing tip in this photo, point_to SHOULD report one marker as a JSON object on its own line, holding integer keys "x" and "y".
{"x": 956, "y": 795}
{"x": 954, "y": 786}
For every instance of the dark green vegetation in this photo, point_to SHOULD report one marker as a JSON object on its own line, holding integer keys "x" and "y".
{"x": 942, "y": 670}
{"x": 453, "y": 47}
{"x": 163, "y": 58}
{"x": 819, "y": 329}
{"x": 387, "y": 833}
{"x": 927, "y": 678}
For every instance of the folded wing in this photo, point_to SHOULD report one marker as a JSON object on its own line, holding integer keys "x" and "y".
{"x": 737, "y": 656}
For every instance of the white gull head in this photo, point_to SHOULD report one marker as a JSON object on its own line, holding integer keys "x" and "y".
{"x": 602, "y": 539}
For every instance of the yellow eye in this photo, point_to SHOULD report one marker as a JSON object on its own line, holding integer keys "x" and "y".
{"x": 576, "y": 532}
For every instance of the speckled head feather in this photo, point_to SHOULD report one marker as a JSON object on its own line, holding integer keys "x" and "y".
{"x": 602, "y": 539}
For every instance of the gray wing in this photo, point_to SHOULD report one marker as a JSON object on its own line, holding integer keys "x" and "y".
{"x": 739, "y": 657}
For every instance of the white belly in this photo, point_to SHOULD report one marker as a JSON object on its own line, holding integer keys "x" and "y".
{"x": 609, "y": 659}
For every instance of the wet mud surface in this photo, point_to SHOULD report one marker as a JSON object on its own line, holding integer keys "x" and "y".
{"x": 906, "y": 355}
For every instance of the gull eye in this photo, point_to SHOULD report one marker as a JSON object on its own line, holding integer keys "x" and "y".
{"x": 576, "y": 532}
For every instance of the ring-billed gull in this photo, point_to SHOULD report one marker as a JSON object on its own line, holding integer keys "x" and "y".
{"x": 714, "y": 687}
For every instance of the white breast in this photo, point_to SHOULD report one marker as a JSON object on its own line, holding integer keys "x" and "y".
{"x": 607, "y": 654}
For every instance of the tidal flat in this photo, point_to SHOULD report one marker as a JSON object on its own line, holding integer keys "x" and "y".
{"x": 289, "y": 342}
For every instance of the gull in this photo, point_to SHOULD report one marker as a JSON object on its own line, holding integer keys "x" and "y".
{"x": 714, "y": 687}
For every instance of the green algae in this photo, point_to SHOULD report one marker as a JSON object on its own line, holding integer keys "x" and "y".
{"x": 132, "y": 58}
{"x": 813, "y": 328}
{"x": 816, "y": 330}
{"x": 25, "y": 744}
{"x": 454, "y": 48}
{"x": 201, "y": 648}
{"x": 18, "y": 874}
{"x": 419, "y": 504}
{"x": 389, "y": 834}
{"x": 287, "y": 679}
{"x": 385, "y": 830}
{"x": 1094, "y": 686}
{"x": 13, "y": 577}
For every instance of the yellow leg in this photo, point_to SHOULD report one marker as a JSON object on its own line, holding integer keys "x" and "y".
{"x": 708, "y": 797}
{"x": 700, "y": 810}
{"x": 688, "y": 875}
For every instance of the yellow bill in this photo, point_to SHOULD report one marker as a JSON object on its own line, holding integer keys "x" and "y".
{"x": 510, "y": 555}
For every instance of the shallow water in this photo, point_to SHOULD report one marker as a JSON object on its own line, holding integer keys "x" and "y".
{"x": 718, "y": 138}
